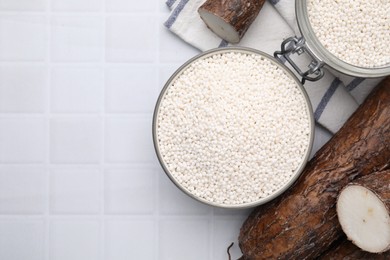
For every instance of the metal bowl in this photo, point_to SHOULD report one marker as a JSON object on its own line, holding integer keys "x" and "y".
{"x": 227, "y": 50}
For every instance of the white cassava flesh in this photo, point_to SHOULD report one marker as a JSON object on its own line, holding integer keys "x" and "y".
{"x": 364, "y": 218}
{"x": 230, "y": 19}
{"x": 220, "y": 27}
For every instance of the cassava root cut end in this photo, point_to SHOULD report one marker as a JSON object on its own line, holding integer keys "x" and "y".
{"x": 363, "y": 213}
{"x": 230, "y": 19}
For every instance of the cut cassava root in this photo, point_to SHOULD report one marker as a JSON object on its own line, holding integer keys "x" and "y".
{"x": 363, "y": 212}
{"x": 302, "y": 223}
{"x": 230, "y": 19}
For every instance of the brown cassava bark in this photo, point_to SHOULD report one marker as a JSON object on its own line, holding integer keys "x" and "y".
{"x": 378, "y": 183}
{"x": 238, "y": 13}
{"x": 302, "y": 223}
{"x": 345, "y": 250}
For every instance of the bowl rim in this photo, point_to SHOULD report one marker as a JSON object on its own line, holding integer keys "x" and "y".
{"x": 308, "y": 108}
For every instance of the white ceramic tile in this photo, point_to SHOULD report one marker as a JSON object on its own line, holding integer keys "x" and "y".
{"x": 22, "y": 88}
{"x": 22, "y": 140}
{"x": 164, "y": 9}
{"x": 76, "y": 5}
{"x": 75, "y": 140}
{"x": 74, "y": 239}
{"x": 129, "y": 139}
{"x": 130, "y": 6}
{"x": 127, "y": 41}
{"x": 226, "y": 231}
{"x": 76, "y": 89}
{"x": 130, "y": 191}
{"x": 23, "y": 37}
{"x": 170, "y": 43}
{"x": 22, "y": 239}
{"x": 173, "y": 201}
{"x": 131, "y": 89}
{"x": 165, "y": 73}
{"x": 184, "y": 237}
{"x": 130, "y": 239}
{"x": 23, "y": 5}
{"x": 22, "y": 190}
{"x": 76, "y": 38}
{"x": 75, "y": 190}
{"x": 232, "y": 212}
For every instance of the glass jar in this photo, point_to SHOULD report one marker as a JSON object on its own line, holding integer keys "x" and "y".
{"x": 321, "y": 57}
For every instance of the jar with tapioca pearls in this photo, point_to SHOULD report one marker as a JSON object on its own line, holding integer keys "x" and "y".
{"x": 351, "y": 37}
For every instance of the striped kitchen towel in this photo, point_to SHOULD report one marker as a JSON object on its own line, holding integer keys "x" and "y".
{"x": 332, "y": 97}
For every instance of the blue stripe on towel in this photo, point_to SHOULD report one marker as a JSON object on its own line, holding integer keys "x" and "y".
{"x": 354, "y": 83}
{"x": 326, "y": 98}
{"x": 274, "y": 2}
{"x": 175, "y": 13}
{"x": 169, "y": 3}
{"x": 223, "y": 44}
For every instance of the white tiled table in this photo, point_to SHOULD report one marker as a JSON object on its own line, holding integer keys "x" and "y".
{"x": 79, "y": 179}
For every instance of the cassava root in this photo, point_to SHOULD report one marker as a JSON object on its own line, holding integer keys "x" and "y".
{"x": 230, "y": 19}
{"x": 302, "y": 223}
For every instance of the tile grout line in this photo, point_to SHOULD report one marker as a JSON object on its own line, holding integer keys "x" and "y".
{"x": 157, "y": 178}
{"x": 77, "y": 13}
{"x": 74, "y": 115}
{"x": 92, "y": 216}
{"x": 74, "y": 216}
{"x": 211, "y": 230}
{"x": 82, "y": 64}
{"x": 70, "y": 165}
{"x": 157, "y": 214}
{"x": 103, "y": 135}
{"x": 48, "y": 116}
